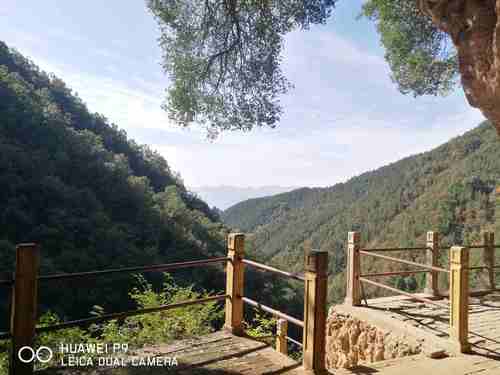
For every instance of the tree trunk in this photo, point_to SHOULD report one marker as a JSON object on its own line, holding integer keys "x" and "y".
{"x": 475, "y": 30}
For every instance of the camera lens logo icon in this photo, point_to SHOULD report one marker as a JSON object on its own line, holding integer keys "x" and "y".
{"x": 43, "y": 354}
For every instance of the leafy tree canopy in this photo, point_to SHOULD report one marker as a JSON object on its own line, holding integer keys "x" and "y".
{"x": 224, "y": 56}
{"x": 422, "y": 58}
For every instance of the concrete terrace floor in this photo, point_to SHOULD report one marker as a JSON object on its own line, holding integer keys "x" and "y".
{"x": 223, "y": 353}
{"x": 429, "y": 324}
{"x": 213, "y": 354}
{"x": 484, "y": 320}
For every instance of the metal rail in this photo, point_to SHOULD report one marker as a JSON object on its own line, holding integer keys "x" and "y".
{"x": 270, "y": 310}
{"x": 396, "y": 273}
{"x": 432, "y": 268}
{"x": 397, "y": 248}
{"x": 5, "y": 335}
{"x": 299, "y": 344}
{"x": 274, "y": 270}
{"x": 418, "y": 298}
{"x": 121, "y": 315}
{"x": 154, "y": 268}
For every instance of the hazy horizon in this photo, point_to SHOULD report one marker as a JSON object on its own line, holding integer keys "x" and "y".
{"x": 225, "y": 196}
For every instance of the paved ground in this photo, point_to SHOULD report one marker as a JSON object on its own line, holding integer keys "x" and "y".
{"x": 484, "y": 320}
{"x": 214, "y": 354}
{"x": 221, "y": 353}
{"x": 421, "y": 365}
{"x": 430, "y": 324}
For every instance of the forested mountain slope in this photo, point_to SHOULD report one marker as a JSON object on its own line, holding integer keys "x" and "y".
{"x": 90, "y": 196}
{"x": 450, "y": 189}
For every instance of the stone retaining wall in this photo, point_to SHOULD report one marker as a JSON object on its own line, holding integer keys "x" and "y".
{"x": 351, "y": 342}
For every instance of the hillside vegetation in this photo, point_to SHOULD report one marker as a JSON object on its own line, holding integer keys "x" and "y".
{"x": 92, "y": 198}
{"x": 449, "y": 189}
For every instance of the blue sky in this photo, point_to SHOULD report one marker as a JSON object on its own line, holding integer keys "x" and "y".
{"x": 343, "y": 117}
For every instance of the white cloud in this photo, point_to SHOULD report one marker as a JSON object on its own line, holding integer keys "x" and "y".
{"x": 323, "y": 56}
{"x": 130, "y": 106}
{"x": 320, "y": 158}
{"x": 343, "y": 118}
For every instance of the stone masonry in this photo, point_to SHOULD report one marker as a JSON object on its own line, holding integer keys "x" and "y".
{"x": 351, "y": 342}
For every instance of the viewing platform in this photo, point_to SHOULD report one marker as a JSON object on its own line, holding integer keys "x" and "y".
{"x": 223, "y": 353}
{"x": 456, "y": 330}
{"x": 430, "y": 323}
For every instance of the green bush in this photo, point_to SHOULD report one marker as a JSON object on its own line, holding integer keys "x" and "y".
{"x": 165, "y": 325}
{"x": 4, "y": 356}
{"x": 262, "y": 325}
{"x": 136, "y": 331}
{"x": 56, "y": 338}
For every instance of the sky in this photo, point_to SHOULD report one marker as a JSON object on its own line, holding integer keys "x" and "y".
{"x": 343, "y": 117}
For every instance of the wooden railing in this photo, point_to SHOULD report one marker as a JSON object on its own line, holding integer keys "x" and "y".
{"x": 315, "y": 280}
{"x": 458, "y": 277}
{"x": 24, "y": 301}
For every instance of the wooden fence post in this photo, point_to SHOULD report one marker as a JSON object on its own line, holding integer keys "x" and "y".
{"x": 431, "y": 279}
{"x": 281, "y": 333}
{"x": 353, "y": 294}
{"x": 315, "y": 292}
{"x": 489, "y": 256}
{"x": 24, "y": 307}
{"x": 459, "y": 297}
{"x": 234, "y": 283}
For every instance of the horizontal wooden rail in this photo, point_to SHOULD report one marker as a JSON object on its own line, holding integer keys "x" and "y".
{"x": 483, "y": 267}
{"x": 397, "y": 248}
{"x": 299, "y": 344}
{"x": 472, "y": 293}
{"x": 395, "y": 273}
{"x": 418, "y": 298}
{"x": 265, "y": 337}
{"x": 470, "y": 247}
{"x": 270, "y": 310}
{"x": 274, "y": 270}
{"x": 154, "y": 268}
{"x": 121, "y": 315}
{"x": 432, "y": 268}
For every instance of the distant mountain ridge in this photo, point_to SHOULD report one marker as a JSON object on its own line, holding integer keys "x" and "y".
{"x": 225, "y": 196}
